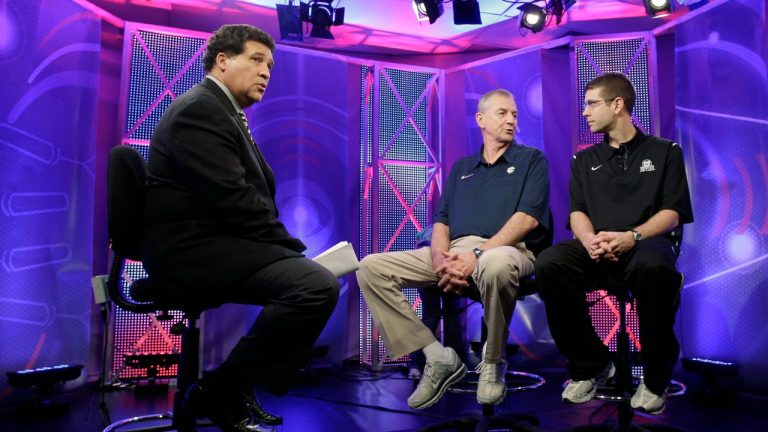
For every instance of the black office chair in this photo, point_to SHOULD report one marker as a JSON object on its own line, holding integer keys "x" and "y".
{"x": 126, "y": 183}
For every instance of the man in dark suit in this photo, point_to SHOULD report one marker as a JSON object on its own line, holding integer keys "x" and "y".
{"x": 212, "y": 225}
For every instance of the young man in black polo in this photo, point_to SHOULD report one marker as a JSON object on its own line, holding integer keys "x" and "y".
{"x": 628, "y": 200}
{"x": 493, "y": 216}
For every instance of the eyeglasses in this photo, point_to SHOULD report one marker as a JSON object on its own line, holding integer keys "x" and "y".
{"x": 591, "y": 104}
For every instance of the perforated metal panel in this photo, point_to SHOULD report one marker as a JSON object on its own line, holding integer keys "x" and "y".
{"x": 593, "y": 58}
{"x": 399, "y": 167}
{"x": 629, "y": 56}
{"x": 139, "y": 338}
{"x": 164, "y": 63}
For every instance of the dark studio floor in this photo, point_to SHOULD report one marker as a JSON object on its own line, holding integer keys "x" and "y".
{"x": 354, "y": 399}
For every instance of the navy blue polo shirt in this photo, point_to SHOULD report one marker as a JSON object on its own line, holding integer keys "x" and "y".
{"x": 618, "y": 195}
{"x": 478, "y": 198}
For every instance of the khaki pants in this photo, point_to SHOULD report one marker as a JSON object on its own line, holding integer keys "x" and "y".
{"x": 382, "y": 276}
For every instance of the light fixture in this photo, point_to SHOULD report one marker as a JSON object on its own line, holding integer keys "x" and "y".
{"x": 44, "y": 381}
{"x": 711, "y": 370}
{"x": 289, "y": 18}
{"x": 432, "y": 9}
{"x": 532, "y": 17}
{"x": 466, "y": 12}
{"x": 322, "y": 15}
{"x": 658, "y": 8}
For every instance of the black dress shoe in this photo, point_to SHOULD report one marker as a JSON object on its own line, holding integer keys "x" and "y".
{"x": 225, "y": 411}
{"x": 259, "y": 414}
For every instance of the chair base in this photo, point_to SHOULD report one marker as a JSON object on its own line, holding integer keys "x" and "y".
{"x": 516, "y": 382}
{"x": 165, "y": 417}
{"x": 610, "y": 394}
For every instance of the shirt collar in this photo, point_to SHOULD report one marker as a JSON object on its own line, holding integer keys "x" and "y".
{"x": 606, "y": 151}
{"x": 226, "y": 91}
{"x": 478, "y": 157}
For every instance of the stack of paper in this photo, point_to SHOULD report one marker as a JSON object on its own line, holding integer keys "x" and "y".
{"x": 340, "y": 259}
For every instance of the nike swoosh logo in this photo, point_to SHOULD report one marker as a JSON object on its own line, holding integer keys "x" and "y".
{"x": 467, "y": 175}
{"x": 597, "y": 167}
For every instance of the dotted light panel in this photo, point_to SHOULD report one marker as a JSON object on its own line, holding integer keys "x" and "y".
{"x": 629, "y": 56}
{"x": 398, "y": 171}
{"x": 593, "y": 58}
{"x": 141, "y": 336}
{"x": 163, "y": 65}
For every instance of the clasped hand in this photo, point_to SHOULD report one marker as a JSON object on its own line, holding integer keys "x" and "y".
{"x": 609, "y": 245}
{"x": 454, "y": 270}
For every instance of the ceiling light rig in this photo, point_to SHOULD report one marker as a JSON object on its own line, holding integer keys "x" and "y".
{"x": 320, "y": 13}
{"x": 428, "y": 10}
{"x": 535, "y": 15}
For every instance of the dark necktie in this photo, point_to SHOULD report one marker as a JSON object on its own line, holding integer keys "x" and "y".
{"x": 247, "y": 128}
{"x": 259, "y": 157}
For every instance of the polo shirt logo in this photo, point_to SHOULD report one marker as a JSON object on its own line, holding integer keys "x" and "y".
{"x": 510, "y": 170}
{"x": 647, "y": 166}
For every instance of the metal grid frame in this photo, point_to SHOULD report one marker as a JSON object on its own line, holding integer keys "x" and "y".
{"x": 400, "y": 166}
{"x": 631, "y": 55}
{"x": 161, "y": 63}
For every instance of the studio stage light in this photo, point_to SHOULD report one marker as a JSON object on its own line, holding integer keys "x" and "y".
{"x": 322, "y": 15}
{"x": 532, "y": 17}
{"x": 658, "y": 8}
{"x": 432, "y": 9}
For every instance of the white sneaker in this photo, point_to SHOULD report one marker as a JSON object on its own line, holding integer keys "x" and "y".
{"x": 437, "y": 377}
{"x": 492, "y": 382}
{"x": 648, "y": 401}
{"x": 584, "y": 391}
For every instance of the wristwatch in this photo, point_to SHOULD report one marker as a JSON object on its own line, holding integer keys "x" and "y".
{"x": 636, "y": 235}
{"x": 478, "y": 252}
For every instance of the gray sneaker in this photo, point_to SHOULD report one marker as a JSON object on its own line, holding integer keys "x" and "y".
{"x": 584, "y": 391}
{"x": 648, "y": 401}
{"x": 437, "y": 377}
{"x": 492, "y": 383}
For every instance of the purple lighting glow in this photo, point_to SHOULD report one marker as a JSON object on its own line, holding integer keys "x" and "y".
{"x": 9, "y": 37}
{"x": 741, "y": 247}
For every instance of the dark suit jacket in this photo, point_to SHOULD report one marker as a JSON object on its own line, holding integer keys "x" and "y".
{"x": 210, "y": 213}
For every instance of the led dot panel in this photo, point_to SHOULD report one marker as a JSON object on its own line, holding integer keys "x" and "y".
{"x": 406, "y": 146}
{"x": 629, "y": 56}
{"x": 605, "y": 319}
{"x": 401, "y": 125}
{"x": 162, "y": 66}
{"x": 141, "y": 335}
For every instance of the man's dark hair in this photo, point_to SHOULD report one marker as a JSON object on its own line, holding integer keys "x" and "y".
{"x": 613, "y": 85}
{"x": 230, "y": 39}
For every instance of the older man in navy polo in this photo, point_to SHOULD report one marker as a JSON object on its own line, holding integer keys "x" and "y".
{"x": 492, "y": 219}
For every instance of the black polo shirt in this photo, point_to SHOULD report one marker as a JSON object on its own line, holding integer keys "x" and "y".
{"x": 478, "y": 198}
{"x": 619, "y": 195}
